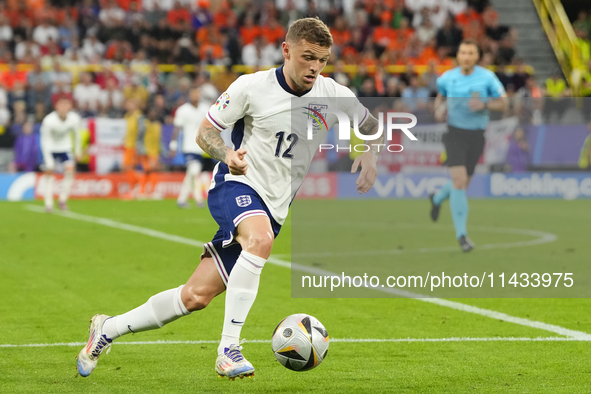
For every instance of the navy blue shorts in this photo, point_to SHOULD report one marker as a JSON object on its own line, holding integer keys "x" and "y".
{"x": 192, "y": 157}
{"x": 62, "y": 157}
{"x": 230, "y": 203}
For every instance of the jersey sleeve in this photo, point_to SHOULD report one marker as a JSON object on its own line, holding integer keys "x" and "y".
{"x": 441, "y": 85}
{"x": 350, "y": 105}
{"x": 232, "y": 105}
{"x": 495, "y": 87}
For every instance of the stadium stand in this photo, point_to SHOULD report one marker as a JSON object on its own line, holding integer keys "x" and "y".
{"x": 103, "y": 52}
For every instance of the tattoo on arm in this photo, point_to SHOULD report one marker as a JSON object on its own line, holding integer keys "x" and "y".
{"x": 210, "y": 140}
{"x": 370, "y": 126}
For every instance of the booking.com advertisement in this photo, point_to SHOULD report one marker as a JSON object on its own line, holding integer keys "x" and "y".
{"x": 455, "y": 205}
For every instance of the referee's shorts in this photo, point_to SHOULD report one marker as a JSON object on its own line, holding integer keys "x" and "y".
{"x": 463, "y": 147}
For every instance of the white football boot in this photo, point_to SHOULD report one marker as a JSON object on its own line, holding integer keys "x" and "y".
{"x": 232, "y": 364}
{"x": 97, "y": 344}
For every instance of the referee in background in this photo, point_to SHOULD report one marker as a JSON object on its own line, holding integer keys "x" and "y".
{"x": 466, "y": 95}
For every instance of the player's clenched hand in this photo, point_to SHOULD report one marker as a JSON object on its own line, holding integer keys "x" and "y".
{"x": 369, "y": 171}
{"x": 236, "y": 163}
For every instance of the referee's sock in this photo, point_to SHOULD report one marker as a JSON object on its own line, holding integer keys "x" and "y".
{"x": 443, "y": 194}
{"x": 458, "y": 204}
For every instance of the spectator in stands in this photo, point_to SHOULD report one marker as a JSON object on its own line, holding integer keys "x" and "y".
{"x": 27, "y": 47}
{"x": 449, "y": 36}
{"x": 249, "y": 31}
{"x": 384, "y": 33}
{"x": 87, "y": 96}
{"x": 111, "y": 14}
{"x": 274, "y": 32}
{"x": 518, "y": 153}
{"x": 584, "y": 45}
{"x": 135, "y": 91}
{"x": 177, "y": 16}
{"x": 430, "y": 79}
{"x": 456, "y": 7}
{"x": 339, "y": 75}
{"x": 521, "y": 75}
{"x": 111, "y": 100}
{"x": 260, "y": 53}
{"x": 26, "y": 150}
{"x": 5, "y": 29}
{"x": 416, "y": 96}
{"x": 92, "y": 47}
{"x": 529, "y": 103}
{"x": 492, "y": 29}
{"x": 367, "y": 89}
{"x": 208, "y": 90}
{"x": 13, "y": 75}
{"x": 583, "y": 22}
{"x": 44, "y": 32}
{"x": 186, "y": 52}
{"x": 60, "y": 80}
{"x": 176, "y": 79}
{"x": 557, "y": 94}
{"x": 426, "y": 31}
{"x": 506, "y": 51}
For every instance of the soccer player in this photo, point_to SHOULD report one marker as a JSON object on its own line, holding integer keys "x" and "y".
{"x": 471, "y": 91}
{"x": 58, "y": 130}
{"x": 187, "y": 118}
{"x": 250, "y": 193}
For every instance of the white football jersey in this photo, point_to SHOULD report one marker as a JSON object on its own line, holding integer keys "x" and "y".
{"x": 270, "y": 121}
{"x": 188, "y": 118}
{"x": 56, "y": 134}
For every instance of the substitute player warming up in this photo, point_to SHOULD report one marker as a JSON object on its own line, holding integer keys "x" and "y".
{"x": 58, "y": 129}
{"x": 250, "y": 193}
{"x": 471, "y": 91}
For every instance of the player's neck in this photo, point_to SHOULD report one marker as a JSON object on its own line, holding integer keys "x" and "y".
{"x": 468, "y": 71}
{"x": 291, "y": 83}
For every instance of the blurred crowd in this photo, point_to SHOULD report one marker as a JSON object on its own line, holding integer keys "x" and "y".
{"x": 101, "y": 53}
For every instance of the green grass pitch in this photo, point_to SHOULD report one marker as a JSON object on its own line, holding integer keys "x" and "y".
{"x": 56, "y": 272}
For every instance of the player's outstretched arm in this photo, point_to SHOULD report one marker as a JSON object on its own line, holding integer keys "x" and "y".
{"x": 210, "y": 140}
{"x": 368, "y": 160}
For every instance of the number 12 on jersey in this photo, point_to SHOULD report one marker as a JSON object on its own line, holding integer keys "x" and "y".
{"x": 293, "y": 138}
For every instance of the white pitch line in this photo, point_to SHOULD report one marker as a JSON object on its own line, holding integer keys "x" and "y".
{"x": 337, "y": 340}
{"x": 578, "y": 335}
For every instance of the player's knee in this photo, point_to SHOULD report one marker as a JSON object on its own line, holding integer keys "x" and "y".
{"x": 195, "y": 301}
{"x": 460, "y": 183}
{"x": 259, "y": 244}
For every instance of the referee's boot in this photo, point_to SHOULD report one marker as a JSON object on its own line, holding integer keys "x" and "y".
{"x": 434, "y": 208}
{"x": 465, "y": 243}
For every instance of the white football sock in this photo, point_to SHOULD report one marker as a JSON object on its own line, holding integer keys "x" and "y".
{"x": 196, "y": 167}
{"x": 185, "y": 188}
{"x": 159, "y": 310}
{"x": 49, "y": 191}
{"x": 241, "y": 292}
{"x": 66, "y": 186}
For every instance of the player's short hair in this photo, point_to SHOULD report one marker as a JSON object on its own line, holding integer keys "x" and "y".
{"x": 471, "y": 41}
{"x": 312, "y": 30}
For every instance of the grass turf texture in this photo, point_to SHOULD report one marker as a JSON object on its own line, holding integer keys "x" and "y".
{"x": 56, "y": 272}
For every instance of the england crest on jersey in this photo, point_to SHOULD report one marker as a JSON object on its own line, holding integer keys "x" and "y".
{"x": 315, "y": 112}
{"x": 243, "y": 201}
